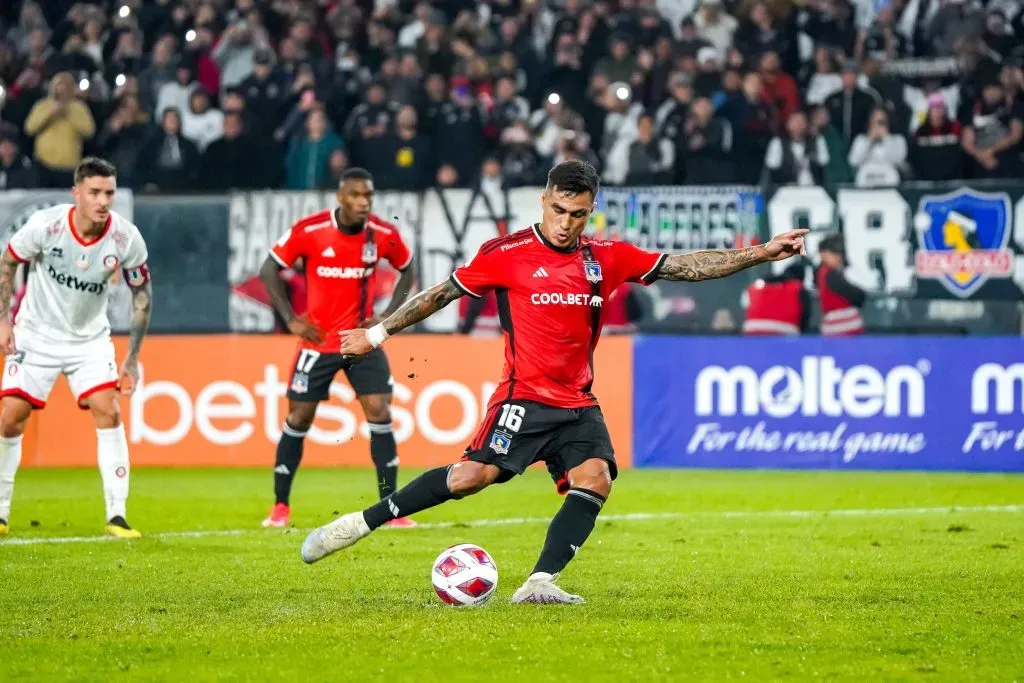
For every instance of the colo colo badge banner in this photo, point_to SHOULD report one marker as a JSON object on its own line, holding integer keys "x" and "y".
{"x": 866, "y": 403}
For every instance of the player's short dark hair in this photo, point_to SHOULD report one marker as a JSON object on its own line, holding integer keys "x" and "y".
{"x": 356, "y": 173}
{"x": 574, "y": 177}
{"x": 90, "y": 167}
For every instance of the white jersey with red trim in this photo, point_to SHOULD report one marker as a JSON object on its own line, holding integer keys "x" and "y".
{"x": 68, "y": 283}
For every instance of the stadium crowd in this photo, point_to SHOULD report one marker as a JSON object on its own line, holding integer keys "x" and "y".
{"x": 207, "y": 95}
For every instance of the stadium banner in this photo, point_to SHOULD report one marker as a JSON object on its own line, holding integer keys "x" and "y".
{"x": 961, "y": 242}
{"x": 219, "y": 400}
{"x": 672, "y": 219}
{"x": 886, "y": 403}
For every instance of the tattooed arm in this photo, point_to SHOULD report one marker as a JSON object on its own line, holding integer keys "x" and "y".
{"x": 8, "y": 268}
{"x": 716, "y": 263}
{"x": 142, "y": 312}
{"x": 420, "y": 307}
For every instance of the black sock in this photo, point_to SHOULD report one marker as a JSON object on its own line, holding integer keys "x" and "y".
{"x": 289, "y": 455}
{"x": 423, "y": 492}
{"x": 569, "y": 529}
{"x": 384, "y": 454}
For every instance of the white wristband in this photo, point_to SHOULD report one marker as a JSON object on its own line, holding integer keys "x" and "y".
{"x": 377, "y": 335}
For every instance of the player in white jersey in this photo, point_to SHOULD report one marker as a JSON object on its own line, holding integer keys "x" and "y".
{"x": 61, "y": 328}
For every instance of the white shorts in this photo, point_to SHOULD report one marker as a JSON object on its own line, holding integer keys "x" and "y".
{"x": 32, "y": 370}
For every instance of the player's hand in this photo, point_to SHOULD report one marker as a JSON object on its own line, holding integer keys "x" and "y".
{"x": 128, "y": 377}
{"x": 301, "y": 327}
{"x": 6, "y": 338}
{"x": 786, "y": 245}
{"x": 354, "y": 343}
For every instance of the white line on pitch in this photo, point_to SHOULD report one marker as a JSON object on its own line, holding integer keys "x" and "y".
{"x": 514, "y": 521}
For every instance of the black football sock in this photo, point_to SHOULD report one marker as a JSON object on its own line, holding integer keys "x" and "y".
{"x": 569, "y": 529}
{"x": 384, "y": 453}
{"x": 423, "y": 492}
{"x": 289, "y": 455}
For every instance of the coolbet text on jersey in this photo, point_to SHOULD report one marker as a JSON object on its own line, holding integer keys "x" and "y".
{"x": 339, "y": 269}
{"x": 550, "y": 302}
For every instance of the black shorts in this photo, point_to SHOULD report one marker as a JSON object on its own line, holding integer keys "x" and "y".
{"x": 313, "y": 373}
{"x": 516, "y": 434}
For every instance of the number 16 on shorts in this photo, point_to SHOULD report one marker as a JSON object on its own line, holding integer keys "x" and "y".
{"x": 512, "y": 420}
{"x": 303, "y": 366}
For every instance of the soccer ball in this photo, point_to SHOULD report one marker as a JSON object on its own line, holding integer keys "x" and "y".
{"x": 464, "y": 575}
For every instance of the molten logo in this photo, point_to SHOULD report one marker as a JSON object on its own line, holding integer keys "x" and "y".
{"x": 819, "y": 387}
{"x": 1007, "y": 383}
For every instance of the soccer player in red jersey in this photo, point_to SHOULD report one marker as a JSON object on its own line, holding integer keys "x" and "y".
{"x": 550, "y": 282}
{"x": 340, "y": 248}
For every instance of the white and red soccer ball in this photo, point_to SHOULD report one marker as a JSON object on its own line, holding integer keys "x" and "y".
{"x": 464, "y": 575}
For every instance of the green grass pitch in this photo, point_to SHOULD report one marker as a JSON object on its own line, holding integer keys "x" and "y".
{"x": 693, "y": 575}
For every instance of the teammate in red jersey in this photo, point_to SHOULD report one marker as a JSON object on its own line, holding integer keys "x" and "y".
{"x": 550, "y": 282}
{"x": 340, "y": 248}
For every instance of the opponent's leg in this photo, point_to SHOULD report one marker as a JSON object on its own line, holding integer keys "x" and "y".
{"x": 591, "y": 484}
{"x": 425, "y": 491}
{"x": 112, "y": 457}
{"x": 289, "y": 455}
{"x": 14, "y": 414}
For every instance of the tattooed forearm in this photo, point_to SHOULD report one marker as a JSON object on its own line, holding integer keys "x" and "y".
{"x": 142, "y": 311}
{"x": 708, "y": 265}
{"x": 270, "y": 274}
{"x": 422, "y": 306}
{"x": 8, "y": 267}
{"x": 401, "y": 292}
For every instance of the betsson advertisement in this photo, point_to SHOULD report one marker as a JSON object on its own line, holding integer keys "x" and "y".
{"x": 869, "y": 403}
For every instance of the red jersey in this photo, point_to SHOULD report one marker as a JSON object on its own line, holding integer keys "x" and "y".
{"x": 339, "y": 269}
{"x": 548, "y": 301}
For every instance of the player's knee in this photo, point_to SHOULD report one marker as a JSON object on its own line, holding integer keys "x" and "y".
{"x": 301, "y": 416}
{"x": 467, "y": 478}
{"x": 593, "y": 475}
{"x": 377, "y": 409}
{"x": 13, "y": 420}
{"x": 106, "y": 415}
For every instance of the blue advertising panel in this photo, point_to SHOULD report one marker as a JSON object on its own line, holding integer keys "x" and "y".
{"x": 926, "y": 403}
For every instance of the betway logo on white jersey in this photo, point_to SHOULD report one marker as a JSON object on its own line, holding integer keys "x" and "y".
{"x": 1005, "y": 383}
{"x": 818, "y": 387}
{"x": 564, "y": 299}
{"x": 343, "y": 273}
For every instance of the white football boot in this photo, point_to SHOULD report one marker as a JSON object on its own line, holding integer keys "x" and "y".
{"x": 540, "y": 589}
{"x": 332, "y": 537}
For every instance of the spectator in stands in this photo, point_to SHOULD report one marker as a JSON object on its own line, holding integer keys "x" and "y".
{"x": 509, "y": 105}
{"x": 620, "y": 130}
{"x": 708, "y": 144}
{"x": 458, "y": 141}
{"x": 336, "y": 165}
{"x": 1012, "y": 79}
{"x": 890, "y": 92}
{"x": 231, "y": 161}
{"x": 690, "y": 42}
{"x": 935, "y": 151}
{"x": 674, "y": 111}
{"x": 306, "y": 164}
{"x": 169, "y": 162}
{"x": 826, "y": 80}
{"x": 265, "y": 91}
{"x": 918, "y": 100}
{"x": 715, "y": 25}
{"x": 851, "y": 107}
{"x": 123, "y": 137}
{"x": 992, "y": 132}
{"x": 71, "y": 59}
{"x": 838, "y": 168}
{"x": 520, "y": 164}
{"x": 780, "y": 89}
{"x": 369, "y": 120}
{"x": 998, "y": 34}
{"x": 201, "y": 123}
{"x": 830, "y": 23}
{"x": 760, "y": 33}
{"x": 709, "y": 73}
{"x": 236, "y": 50}
{"x": 882, "y": 40}
{"x": 955, "y": 21}
{"x": 878, "y": 155}
{"x": 177, "y": 94}
{"x": 160, "y": 71}
{"x": 799, "y": 157}
{"x": 17, "y": 171}
{"x": 60, "y": 124}
{"x": 754, "y": 124}
{"x": 650, "y": 159}
{"x": 401, "y": 158}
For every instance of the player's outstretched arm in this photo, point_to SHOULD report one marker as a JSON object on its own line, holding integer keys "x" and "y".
{"x": 8, "y": 268}
{"x": 420, "y": 307}
{"x": 716, "y": 263}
